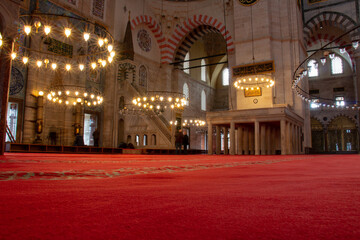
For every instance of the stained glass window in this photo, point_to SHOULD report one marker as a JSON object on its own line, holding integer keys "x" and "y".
{"x": 98, "y": 8}
{"x": 225, "y": 77}
{"x": 203, "y": 100}
{"x": 187, "y": 64}
{"x": 336, "y": 65}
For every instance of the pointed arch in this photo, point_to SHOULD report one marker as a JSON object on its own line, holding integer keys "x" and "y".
{"x": 181, "y": 31}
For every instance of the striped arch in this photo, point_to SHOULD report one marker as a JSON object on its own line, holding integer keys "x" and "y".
{"x": 181, "y": 31}
{"x": 324, "y": 19}
{"x": 191, "y": 38}
{"x": 154, "y": 27}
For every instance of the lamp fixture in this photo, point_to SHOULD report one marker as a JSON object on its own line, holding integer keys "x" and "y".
{"x": 158, "y": 101}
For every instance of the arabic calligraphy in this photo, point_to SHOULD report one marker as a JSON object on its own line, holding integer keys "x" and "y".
{"x": 244, "y": 70}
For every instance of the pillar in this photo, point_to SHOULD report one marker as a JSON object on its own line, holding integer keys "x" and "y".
{"x": 263, "y": 139}
{"x": 210, "y": 139}
{"x": 283, "y": 136}
{"x": 268, "y": 140}
{"x": 226, "y": 147}
{"x": 288, "y": 138}
{"x": 232, "y": 138}
{"x": 218, "y": 140}
{"x": 240, "y": 140}
{"x": 5, "y": 73}
{"x": 251, "y": 141}
{"x": 246, "y": 141}
{"x": 257, "y": 138}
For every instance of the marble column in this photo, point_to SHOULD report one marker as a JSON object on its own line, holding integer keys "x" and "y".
{"x": 226, "y": 145}
{"x": 232, "y": 138}
{"x": 218, "y": 140}
{"x": 246, "y": 141}
{"x": 263, "y": 139}
{"x": 257, "y": 138}
{"x": 240, "y": 140}
{"x": 268, "y": 140}
{"x": 5, "y": 70}
{"x": 210, "y": 139}
{"x": 251, "y": 141}
{"x": 283, "y": 136}
{"x": 288, "y": 138}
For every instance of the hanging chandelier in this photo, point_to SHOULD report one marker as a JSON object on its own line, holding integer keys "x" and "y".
{"x": 159, "y": 101}
{"x": 302, "y": 73}
{"x": 190, "y": 122}
{"x": 72, "y": 95}
{"x": 253, "y": 82}
{"x": 66, "y": 44}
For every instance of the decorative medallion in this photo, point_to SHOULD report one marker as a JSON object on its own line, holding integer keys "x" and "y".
{"x": 255, "y": 101}
{"x": 144, "y": 40}
{"x": 248, "y": 2}
{"x": 17, "y": 81}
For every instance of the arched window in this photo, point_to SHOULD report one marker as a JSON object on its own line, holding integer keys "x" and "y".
{"x": 336, "y": 65}
{"x": 142, "y": 76}
{"x": 153, "y": 139}
{"x": 313, "y": 70}
{"x": 186, "y": 92}
{"x": 203, "y": 70}
{"x": 145, "y": 140}
{"x": 187, "y": 64}
{"x": 137, "y": 140}
{"x": 225, "y": 77}
{"x": 203, "y": 100}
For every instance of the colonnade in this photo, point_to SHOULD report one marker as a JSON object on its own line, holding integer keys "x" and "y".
{"x": 256, "y": 138}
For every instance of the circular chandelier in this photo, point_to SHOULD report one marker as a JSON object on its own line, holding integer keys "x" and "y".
{"x": 253, "y": 82}
{"x": 302, "y": 72}
{"x": 65, "y": 42}
{"x": 158, "y": 101}
{"x": 191, "y": 122}
{"x": 72, "y": 95}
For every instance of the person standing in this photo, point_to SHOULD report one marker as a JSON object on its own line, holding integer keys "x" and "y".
{"x": 96, "y": 136}
{"x": 178, "y": 141}
{"x": 185, "y": 142}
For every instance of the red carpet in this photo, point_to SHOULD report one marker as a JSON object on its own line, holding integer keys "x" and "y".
{"x": 54, "y": 196}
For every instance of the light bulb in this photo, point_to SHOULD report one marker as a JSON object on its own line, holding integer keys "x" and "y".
{"x": 93, "y": 65}
{"x": 110, "y": 59}
{"x": 86, "y": 36}
{"x": 110, "y": 48}
{"x": 39, "y": 63}
{"x": 342, "y": 50}
{"x": 355, "y": 44}
{"x": 81, "y": 67}
{"x": 103, "y": 63}
{"x": 47, "y": 30}
{"x": 41, "y": 93}
{"x": 67, "y": 32}
{"x": 25, "y": 60}
{"x": 101, "y": 42}
{"x": 54, "y": 65}
{"x": 1, "y": 42}
{"x": 27, "y": 29}
{"x": 78, "y": 100}
{"x": 68, "y": 67}
{"x": 331, "y": 55}
{"x": 112, "y": 54}
{"x": 13, "y": 55}
{"x": 67, "y": 92}
{"x": 76, "y": 93}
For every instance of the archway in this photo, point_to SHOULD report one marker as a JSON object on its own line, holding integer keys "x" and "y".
{"x": 342, "y": 135}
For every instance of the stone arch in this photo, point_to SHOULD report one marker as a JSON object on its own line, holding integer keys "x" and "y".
{"x": 155, "y": 29}
{"x": 342, "y": 134}
{"x": 327, "y": 18}
{"x": 316, "y": 124}
{"x": 181, "y": 31}
{"x": 343, "y": 117}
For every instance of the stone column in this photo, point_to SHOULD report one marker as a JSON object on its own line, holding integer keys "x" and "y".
{"x": 218, "y": 140}
{"x": 210, "y": 139}
{"x": 246, "y": 141}
{"x": 257, "y": 138}
{"x": 288, "y": 138}
{"x": 232, "y": 138}
{"x": 226, "y": 145}
{"x": 240, "y": 141}
{"x": 263, "y": 139}
{"x": 251, "y": 141}
{"x": 5, "y": 73}
{"x": 283, "y": 136}
{"x": 268, "y": 140}
{"x": 39, "y": 119}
